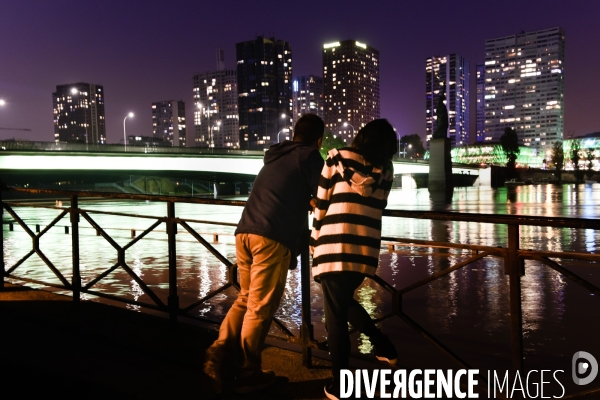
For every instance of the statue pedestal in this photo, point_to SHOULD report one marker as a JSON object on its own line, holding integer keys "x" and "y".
{"x": 440, "y": 168}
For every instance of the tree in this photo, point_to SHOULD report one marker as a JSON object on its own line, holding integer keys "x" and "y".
{"x": 558, "y": 158}
{"x": 575, "y": 157}
{"x": 510, "y": 145}
{"x": 589, "y": 156}
{"x": 412, "y": 145}
{"x": 330, "y": 142}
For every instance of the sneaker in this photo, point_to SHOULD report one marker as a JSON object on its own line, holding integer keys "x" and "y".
{"x": 252, "y": 383}
{"x": 213, "y": 367}
{"x": 332, "y": 391}
{"x": 386, "y": 351}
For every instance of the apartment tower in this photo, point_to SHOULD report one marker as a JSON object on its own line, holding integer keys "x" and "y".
{"x": 524, "y": 87}
{"x": 448, "y": 75}
{"x": 480, "y": 120}
{"x": 168, "y": 122}
{"x": 350, "y": 87}
{"x": 216, "y": 107}
{"x": 79, "y": 113}
{"x": 264, "y": 77}
{"x": 308, "y": 96}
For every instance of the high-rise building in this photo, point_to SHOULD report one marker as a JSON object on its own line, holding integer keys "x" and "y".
{"x": 308, "y": 96}
{"x": 350, "y": 87}
{"x": 524, "y": 87}
{"x": 168, "y": 122}
{"x": 79, "y": 113}
{"x": 448, "y": 75}
{"x": 216, "y": 122}
{"x": 264, "y": 76}
{"x": 480, "y": 122}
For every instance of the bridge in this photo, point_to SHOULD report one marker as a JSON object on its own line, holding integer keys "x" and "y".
{"x": 220, "y": 170}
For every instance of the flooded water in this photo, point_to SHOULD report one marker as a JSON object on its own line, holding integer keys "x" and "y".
{"x": 468, "y": 310}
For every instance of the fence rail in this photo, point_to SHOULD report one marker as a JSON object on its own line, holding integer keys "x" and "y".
{"x": 512, "y": 255}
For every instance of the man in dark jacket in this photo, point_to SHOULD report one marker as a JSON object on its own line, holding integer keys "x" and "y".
{"x": 266, "y": 240}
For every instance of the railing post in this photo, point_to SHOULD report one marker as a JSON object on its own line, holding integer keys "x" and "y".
{"x": 515, "y": 269}
{"x": 76, "y": 280}
{"x": 307, "y": 333}
{"x": 171, "y": 232}
{"x": 2, "y": 271}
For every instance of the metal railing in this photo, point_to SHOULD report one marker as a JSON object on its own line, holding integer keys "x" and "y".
{"x": 513, "y": 255}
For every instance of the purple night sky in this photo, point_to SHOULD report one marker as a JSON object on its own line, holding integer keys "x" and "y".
{"x": 147, "y": 51}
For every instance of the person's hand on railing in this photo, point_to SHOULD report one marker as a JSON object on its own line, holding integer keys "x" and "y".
{"x": 313, "y": 204}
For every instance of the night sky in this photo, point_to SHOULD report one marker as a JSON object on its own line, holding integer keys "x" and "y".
{"x": 147, "y": 51}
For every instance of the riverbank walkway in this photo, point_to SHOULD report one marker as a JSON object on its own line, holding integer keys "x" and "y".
{"x": 108, "y": 352}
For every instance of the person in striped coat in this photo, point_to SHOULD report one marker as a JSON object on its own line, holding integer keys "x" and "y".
{"x": 346, "y": 238}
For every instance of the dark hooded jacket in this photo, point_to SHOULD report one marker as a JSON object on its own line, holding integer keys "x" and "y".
{"x": 278, "y": 204}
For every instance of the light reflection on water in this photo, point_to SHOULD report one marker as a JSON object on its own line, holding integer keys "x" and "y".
{"x": 469, "y": 308}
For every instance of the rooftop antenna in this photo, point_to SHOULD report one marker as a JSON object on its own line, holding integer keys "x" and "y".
{"x": 220, "y": 60}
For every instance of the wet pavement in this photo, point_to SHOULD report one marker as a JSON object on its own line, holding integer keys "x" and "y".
{"x": 105, "y": 352}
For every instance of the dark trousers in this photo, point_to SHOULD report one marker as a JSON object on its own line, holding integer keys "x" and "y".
{"x": 340, "y": 309}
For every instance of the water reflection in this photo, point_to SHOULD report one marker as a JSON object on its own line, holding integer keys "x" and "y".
{"x": 470, "y": 303}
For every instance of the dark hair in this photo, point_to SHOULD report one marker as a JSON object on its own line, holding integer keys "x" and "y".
{"x": 309, "y": 128}
{"x": 377, "y": 142}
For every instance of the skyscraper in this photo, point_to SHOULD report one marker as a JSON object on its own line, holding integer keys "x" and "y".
{"x": 168, "y": 122}
{"x": 480, "y": 121}
{"x": 448, "y": 75}
{"x": 308, "y": 96}
{"x": 79, "y": 113}
{"x": 350, "y": 87}
{"x": 524, "y": 87}
{"x": 264, "y": 76}
{"x": 216, "y": 122}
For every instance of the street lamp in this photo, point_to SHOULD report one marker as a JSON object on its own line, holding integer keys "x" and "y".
{"x": 124, "y": 133}
{"x": 2, "y": 102}
{"x": 212, "y": 144}
{"x": 286, "y": 130}
{"x": 405, "y": 146}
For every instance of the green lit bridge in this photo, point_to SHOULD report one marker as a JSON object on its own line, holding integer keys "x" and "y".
{"x": 163, "y": 170}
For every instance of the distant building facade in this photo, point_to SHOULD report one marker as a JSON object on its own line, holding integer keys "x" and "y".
{"x": 480, "y": 121}
{"x": 168, "y": 122}
{"x": 308, "y": 96}
{"x": 448, "y": 75}
{"x": 524, "y": 87}
{"x": 264, "y": 78}
{"x": 216, "y": 120}
{"x": 79, "y": 113}
{"x": 350, "y": 87}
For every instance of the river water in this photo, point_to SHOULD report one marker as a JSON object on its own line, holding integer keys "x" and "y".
{"x": 468, "y": 310}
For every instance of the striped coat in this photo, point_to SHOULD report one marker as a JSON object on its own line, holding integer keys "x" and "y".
{"x": 346, "y": 233}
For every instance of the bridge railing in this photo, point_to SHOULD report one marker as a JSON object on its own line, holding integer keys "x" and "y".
{"x": 512, "y": 254}
{"x": 12, "y": 145}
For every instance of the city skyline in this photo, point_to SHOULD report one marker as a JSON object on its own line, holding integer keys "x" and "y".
{"x": 117, "y": 49}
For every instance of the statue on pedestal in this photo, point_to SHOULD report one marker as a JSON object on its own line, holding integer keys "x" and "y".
{"x": 441, "y": 126}
{"x": 441, "y": 185}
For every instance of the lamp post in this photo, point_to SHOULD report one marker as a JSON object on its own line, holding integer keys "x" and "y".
{"x": 283, "y": 130}
{"x": 211, "y": 144}
{"x": 404, "y": 146}
{"x": 124, "y": 132}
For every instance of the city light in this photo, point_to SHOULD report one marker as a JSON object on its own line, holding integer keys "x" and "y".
{"x": 330, "y": 45}
{"x": 130, "y": 115}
